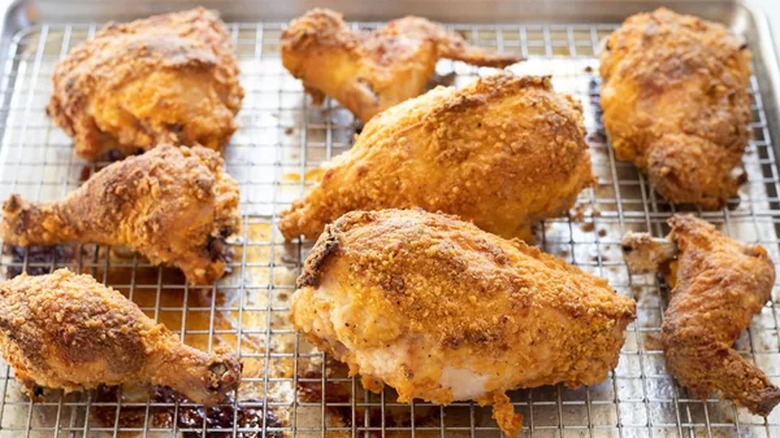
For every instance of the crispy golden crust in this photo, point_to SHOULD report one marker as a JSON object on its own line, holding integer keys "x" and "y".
{"x": 174, "y": 205}
{"x": 504, "y": 152}
{"x": 504, "y": 414}
{"x": 675, "y": 100}
{"x": 167, "y": 78}
{"x": 369, "y": 72}
{"x": 644, "y": 253}
{"x": 719, "y": 284}
{"x": 67, "y": 331}
{"x": 402, "y": 296}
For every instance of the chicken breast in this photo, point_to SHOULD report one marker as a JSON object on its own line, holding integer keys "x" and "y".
{"x": 503, "y": 152}
{"x": 441, "y": 310}
{"x": 675, "y": 100}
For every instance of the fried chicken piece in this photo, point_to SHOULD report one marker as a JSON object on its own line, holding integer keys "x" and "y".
{"x": 718, "y": 285}
{"x": 174, "y": 205}
{"x": 645, "y": 254}
{"x": 168, "y": 78}
{"x": 504, "y": 152}
{"x": 443, "y": 311}
{"x": 67, "y": 331}
{"x": 675, "y": 100}
{"x": 369, "y": 72}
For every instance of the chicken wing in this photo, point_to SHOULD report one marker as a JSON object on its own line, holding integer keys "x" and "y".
{"x": 718, "y": 285}
{"x": 504, "y": 152}
{"x": 67, "y": 331}
{"x": 168, "y": 78}
{"x": 369, "y": 72}
{"x": 173, "y": 205}
{"x": 443, "y": 311}
{"x": 675, "y": 100}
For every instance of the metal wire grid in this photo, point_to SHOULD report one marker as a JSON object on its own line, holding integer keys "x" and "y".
{"x": 296, "y": 391}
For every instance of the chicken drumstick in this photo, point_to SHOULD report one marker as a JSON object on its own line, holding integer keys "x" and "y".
{"x": 504, "y": 152}
{"x": 67, "y": 331}
{"x": 173, "y": 205}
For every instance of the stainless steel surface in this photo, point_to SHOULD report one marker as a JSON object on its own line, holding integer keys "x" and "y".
{"x": 292, "y": 389}
{"x": 456, "y": 10}
{"x": 772, "y": 11}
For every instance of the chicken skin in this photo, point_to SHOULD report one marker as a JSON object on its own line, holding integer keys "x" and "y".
{"x": 67, "y": 331}
{"x": 369, "y": 72}
{"x": 175, "y": 206}
{"x": 441, "y": 310}
{"x": 166, "y": 79}
{"x": 675, "y": 100}
{"x": 504, "y": 152}
{"x": 718, "y": 285}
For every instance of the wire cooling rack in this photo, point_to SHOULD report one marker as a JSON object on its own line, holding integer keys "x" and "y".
{"x": 289, "y": 388}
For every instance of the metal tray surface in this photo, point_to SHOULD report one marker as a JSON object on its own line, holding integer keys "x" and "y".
{"x": 291, "y": 389}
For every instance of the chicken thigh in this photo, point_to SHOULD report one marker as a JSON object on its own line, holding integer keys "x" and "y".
{"x": 170, "y": 78}
{"x": 369, "y": 72}
{"x": 675, "y": 100}
{"x": 503, "y": 152}
{"x": 175, "y": 206}
{"x": 718, "y": 285}
{"x": 67, "y": 331}
{"x": 441, "y": 310}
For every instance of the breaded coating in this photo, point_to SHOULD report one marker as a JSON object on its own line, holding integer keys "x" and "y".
{"x": 67, "y": 331}
{"x": 173, "y": 205}
{"x": 442, "y": 311}
{"x": 718, "y": 285}
{"x": 503, "y": 152}
{"x": 644, "y": 253}
{"x": 168, "y": 78}
{"x": 369, "y": 72}
{"x": 675, "y": 100}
